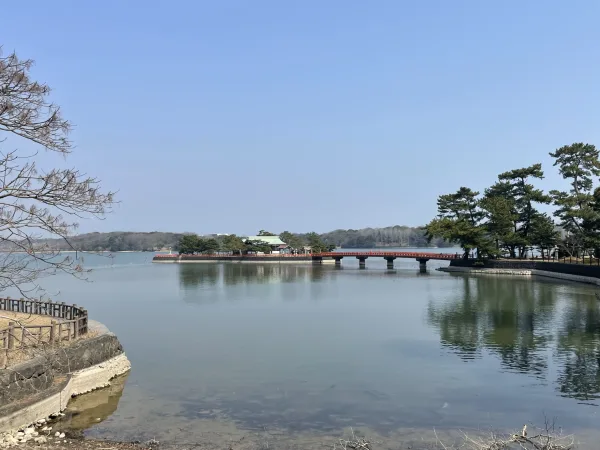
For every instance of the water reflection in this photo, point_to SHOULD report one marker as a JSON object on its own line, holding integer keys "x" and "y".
{"x": 521, "y": 323}
{"x": 318, "y": 348}
{"x": 92, "y": 408}
{"x": 579, "y": 350}
{"x": 198, "y": 276}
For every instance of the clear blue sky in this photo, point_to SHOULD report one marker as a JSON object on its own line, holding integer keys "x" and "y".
{"x": 235, "y": 116}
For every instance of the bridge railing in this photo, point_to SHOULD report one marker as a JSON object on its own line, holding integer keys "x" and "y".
{"x": 428, "y": 255}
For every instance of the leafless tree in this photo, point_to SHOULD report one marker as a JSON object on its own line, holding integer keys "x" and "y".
{"x": 36, "y": 203}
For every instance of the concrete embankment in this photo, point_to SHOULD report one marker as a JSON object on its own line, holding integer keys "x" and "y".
{"x": 41, "y": 387}
{"x": 563, "y": 271}
{"x": 185, "y": 259}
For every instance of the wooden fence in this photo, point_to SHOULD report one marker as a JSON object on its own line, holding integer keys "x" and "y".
{"x": 71, "y": 322}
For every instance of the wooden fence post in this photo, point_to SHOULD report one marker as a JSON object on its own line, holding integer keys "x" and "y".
{"x": 71, "y": 315}
{"x": 84, "y": 322}
{"x": 4, "y": 351}
{"x": 11, "y": 335}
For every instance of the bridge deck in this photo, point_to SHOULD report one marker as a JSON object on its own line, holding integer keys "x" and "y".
{"x": 416, "y": 255}
{"x": 335, "y": 255}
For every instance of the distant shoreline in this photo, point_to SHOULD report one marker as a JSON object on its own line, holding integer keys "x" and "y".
{"x": 91, "y": 251}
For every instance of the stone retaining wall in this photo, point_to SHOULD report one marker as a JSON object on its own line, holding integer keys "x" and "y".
{"x": 29, "y": 377}
{"x": 521, "y": 272}
{"x": 42, "y": 386}
{"x": 578, "y": 270}
{"x": 53, "y": 400}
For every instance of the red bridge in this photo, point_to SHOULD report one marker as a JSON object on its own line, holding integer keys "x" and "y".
{"x": 317, "y": 258}
{"x": 422, "y": 257}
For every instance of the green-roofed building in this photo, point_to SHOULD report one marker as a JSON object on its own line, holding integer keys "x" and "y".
{"x": 276, "y": 244}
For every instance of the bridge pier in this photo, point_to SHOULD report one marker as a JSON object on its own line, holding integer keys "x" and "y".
{"x": 421, "y": 257}
{"x": 362, "y": 261}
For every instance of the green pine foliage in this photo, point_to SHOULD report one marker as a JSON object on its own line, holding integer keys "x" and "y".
{"x": 506, "y": 219}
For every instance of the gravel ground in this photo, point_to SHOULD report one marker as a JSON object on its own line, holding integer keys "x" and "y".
{"x": 85, "y": 444}
{"x": 23, "y": 319}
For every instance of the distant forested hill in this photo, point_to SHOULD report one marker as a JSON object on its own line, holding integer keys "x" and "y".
{"x": 118, "y": 241}
{"x": 396, "y": 236}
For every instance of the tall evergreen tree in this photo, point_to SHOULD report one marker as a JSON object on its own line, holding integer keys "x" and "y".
{"x": 543, "y": 235}
{"x": 500, "y": 223}
{"x": 514, "y": 187}
{"x": 460, "y": 220}
{"x": 317, "y": 244}
{"x": 189, "y": 244}
{"x": 577, "y": 208}
{"x": 292, "y": 240}
{"x": 234, "y": 244}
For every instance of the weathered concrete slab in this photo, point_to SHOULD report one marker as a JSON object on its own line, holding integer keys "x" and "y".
{"x": 55, "y": 399}
{"x": 42, "y": 386}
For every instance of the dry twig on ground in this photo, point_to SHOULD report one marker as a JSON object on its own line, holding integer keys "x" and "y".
{"x": 547, "y": 438}
{"x": 354, "y": 443}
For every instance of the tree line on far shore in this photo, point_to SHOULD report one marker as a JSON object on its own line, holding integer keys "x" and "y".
{"x": 395, "y": 236}
{"x": 194, "y": 244}
{"x": 505, "y": 220}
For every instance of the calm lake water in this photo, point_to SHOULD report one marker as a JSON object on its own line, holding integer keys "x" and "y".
{"x": 315, "y": 349}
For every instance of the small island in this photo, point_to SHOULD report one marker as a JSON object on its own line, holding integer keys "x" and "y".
{"x": 264, "y": 247}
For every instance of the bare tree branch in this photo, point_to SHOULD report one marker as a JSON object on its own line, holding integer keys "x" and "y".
{"x": 38, "y": 204}
{"x": 24, "y": 109}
